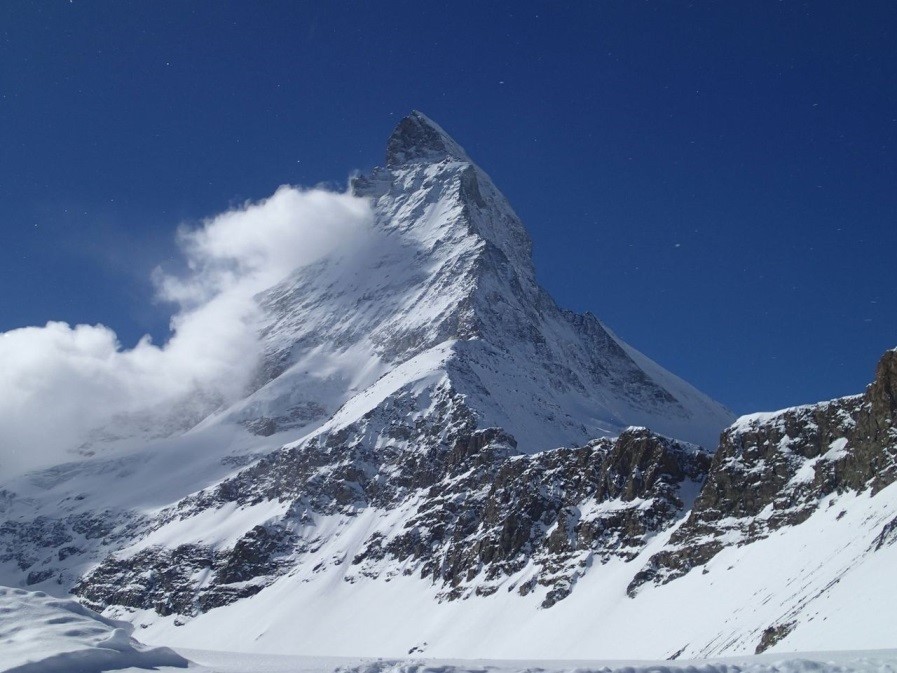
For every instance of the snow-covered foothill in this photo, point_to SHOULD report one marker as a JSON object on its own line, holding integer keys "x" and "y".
{"x": 40, "y": 634}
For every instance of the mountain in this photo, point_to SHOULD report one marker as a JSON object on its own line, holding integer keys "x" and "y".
{"x": 829, "y": 468}
{"x": 435, "y": 459}
{"x": 444, "y": 297}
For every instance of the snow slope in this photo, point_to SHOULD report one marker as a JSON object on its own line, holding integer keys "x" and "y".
{"x": 826, "y": 576}
{"x": 39, "y": 634}
{"x": 815, "y": 662}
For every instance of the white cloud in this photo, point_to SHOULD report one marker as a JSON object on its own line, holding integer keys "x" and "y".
{"x": 60, "y": 383}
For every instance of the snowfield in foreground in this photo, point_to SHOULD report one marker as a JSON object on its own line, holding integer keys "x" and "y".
{"x": 881, "y": 661}
{"x": 39, "y": 634}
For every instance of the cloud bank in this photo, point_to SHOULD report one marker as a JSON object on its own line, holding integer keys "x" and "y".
{"x": 62, "y": 385}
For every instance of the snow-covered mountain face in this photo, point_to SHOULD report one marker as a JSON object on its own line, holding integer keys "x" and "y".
{"x": 444, "y": 290}
{"x": 435, "y": 460}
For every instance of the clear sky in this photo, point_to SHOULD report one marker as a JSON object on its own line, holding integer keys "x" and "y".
{"x": 716, "y": 181}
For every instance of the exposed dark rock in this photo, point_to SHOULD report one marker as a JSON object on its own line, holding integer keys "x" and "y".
{"x": 50, "y": 542}
{"x": 888, "y": 535}
{"x": 294, "y": 417}
{"x": 478, "y": 513}
{"x": 772, "y": 635}
{"x": 539, "y": 509}
{"x": 65, "y": 552}
{"x": 418, "y": 138}
{"x": 91, "y": 525}
{"x": 263, "y": 426}
{"x": 771, "y": 470}
{"x": 254, "y": 555}
{"x": 164, "y": 579}
{"x": 25, "y": 542}
{"x": 38, "y": 576}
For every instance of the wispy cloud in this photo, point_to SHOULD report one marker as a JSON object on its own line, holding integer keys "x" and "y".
{"x": 60, "y": 382}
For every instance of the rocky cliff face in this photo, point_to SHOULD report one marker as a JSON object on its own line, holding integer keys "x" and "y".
{"x": 462, "y": 509}
{"x": 476, "y": 512}
{"x": 414, "y": 490}
{"x": 775, "y": 470}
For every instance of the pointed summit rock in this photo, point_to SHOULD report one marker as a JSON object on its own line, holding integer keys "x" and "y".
{"x": 418, "y": 138}
{"x": 448, "y": 294}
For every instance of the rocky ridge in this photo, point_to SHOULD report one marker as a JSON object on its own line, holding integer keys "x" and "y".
{"x": 775, "y": 470}
{"x": 475, "y": 514}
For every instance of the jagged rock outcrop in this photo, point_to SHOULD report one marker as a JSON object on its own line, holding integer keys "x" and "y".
{"x": 775, "y": 470}
{"x": 164, "y": 579}
{"x": 475, "y": 512}
{"x": 39, "y": 545}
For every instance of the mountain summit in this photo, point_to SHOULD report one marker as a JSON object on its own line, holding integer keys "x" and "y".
{"x": 419, "y": 138}
{"x": 445, "y": 297}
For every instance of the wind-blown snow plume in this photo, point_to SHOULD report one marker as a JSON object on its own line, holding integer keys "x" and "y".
{"x": 61, "y": 383}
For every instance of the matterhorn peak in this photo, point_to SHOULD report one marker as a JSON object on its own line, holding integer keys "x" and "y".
{"x": 419, "y": 138}
{"x": 449, "y": 294}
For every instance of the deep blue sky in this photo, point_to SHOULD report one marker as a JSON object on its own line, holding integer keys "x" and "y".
{"x": 715, "y": 181}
